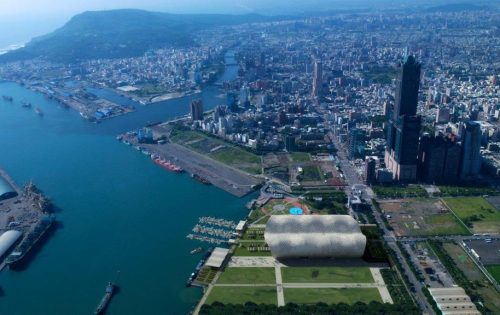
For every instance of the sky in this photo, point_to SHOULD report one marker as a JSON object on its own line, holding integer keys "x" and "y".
{"x": 21, "y": 20}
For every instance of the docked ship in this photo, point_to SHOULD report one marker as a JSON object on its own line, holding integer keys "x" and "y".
{"x": 167, "y": 165}
{"x": 200, "y": 265}
{"x": 30, "y": 241}
{"x": 202, "y": 180}
{"x": 110, "y": 290}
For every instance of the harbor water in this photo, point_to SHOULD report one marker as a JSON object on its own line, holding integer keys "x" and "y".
{"x": 117, "y": 210}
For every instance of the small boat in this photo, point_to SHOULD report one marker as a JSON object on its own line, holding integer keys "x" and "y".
{"x": 110, "y": 289}
{"x": 7, "y": 98}
{"x": 26, "y": 104}
{"x": 38, "y": 111}
{"x": 196, "y": 250}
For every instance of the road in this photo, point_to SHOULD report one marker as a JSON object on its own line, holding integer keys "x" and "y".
{"x": 353, "y": 180}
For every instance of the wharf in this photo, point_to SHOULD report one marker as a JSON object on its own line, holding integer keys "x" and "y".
{"x": 23, "y": 212}
{"x": 218, "y": 174}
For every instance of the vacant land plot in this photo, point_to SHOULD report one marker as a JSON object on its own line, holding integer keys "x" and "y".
{"x": 421, "y": 216}
{"x": 218, "y": 149}
{"x": 494, "y": 270}
{"x": 300, "y": 156}
{"x": 331, "y": 296}
{"x": 249, "y": 275}
{"x": 476, "y": 212}
{"x": 326, "y": 275}
{"x": 463, "y": 262}
{"x": 241, "y": 295}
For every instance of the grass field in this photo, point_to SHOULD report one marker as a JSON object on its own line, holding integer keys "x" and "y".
{"x": 311, "y": 173}
{"x": 476, "y": 212}
{"x": 249, "y": 275}
{"x": 494, "y": 270}
{"x": 331, "y": 296}
{"x": 444, "y": 224}
{"x": 241, "y": 295}
{"x": 326, "y": 275}
{"x": 300, "y": 156}
{"x": 243, "y": 249}
{"x": 463, "y": 262}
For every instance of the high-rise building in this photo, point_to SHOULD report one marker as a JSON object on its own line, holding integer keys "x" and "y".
{"x": 197, "y": 109}
{"x": 370, "y": 174}
{"x": 438, "y": 159}
{"x": 317, "y": 78}
{"x": 356, "y": 143}
{"x": 470, "y": 162}
{"x": 404, "y": 124}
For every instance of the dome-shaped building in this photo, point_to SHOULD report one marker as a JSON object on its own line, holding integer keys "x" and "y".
{"x": 314, "y": 236}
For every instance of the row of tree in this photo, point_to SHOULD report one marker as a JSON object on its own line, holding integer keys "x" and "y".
{"x": 358, "y": 308}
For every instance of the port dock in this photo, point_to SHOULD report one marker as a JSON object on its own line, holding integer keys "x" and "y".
{"x": 26, "y": 211}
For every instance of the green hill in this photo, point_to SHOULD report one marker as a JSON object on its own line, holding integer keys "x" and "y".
{"x": 121, "y": 33}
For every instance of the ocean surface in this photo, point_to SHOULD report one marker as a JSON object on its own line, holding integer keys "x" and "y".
{"x": 117, "y": 210}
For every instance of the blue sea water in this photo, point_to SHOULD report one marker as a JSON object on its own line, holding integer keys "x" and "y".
{"x": 118, "y": 211}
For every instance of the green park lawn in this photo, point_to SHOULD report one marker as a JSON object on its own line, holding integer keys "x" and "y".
{"x": 300, "y": 156}
{"x": 476, "y": 212}
{"x": 247, "y": 275}
{"x": 494, "y": 270}
{"x": 326, "y": 275}
{"x": 444, "y": 224}
{"x": 241, "y": 295}
{"x": 330, "y": 295}
{"x": 312, "y": 173}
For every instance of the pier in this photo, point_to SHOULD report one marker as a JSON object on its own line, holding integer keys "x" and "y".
{"x": 25, "y": 210}
{"x": 213, "y": 230}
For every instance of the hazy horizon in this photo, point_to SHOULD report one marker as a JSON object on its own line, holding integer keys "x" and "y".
{"x": 25, "y": 19}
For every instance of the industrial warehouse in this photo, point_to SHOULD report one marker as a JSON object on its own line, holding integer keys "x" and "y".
{"x": 335, "y": 236}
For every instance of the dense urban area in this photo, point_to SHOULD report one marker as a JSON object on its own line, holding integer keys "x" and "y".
{"x": 372, "y": 139}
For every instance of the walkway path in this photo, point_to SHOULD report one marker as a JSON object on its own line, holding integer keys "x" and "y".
{"x": 382, "y": 288}
{"x": 279, "y": 285}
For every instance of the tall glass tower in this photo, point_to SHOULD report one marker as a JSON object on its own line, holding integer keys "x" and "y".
{"x": 404, "y": 124}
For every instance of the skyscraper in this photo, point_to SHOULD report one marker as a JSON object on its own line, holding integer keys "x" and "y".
{"x": 197, "y": 109}
{"x": 470, "y": 162}
{"x": 404, "y": 124}
{"x": 317, "y": 78}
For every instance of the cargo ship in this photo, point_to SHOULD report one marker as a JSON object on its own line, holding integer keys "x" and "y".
{"x": 19, "y": 254}
{"x": 110, "y": 289}
{"x": 202, "y": 180}
{"x": 167, "y": 165}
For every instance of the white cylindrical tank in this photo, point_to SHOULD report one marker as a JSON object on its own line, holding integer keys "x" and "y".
{"x": 8, "y": 239}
